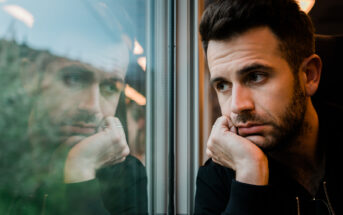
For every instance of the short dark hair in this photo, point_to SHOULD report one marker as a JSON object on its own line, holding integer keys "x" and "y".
{"x": 224, "y": 19}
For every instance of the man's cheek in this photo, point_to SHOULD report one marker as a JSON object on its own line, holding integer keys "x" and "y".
{"x": 225, "y": 105}
{"x": 109, "y": 107}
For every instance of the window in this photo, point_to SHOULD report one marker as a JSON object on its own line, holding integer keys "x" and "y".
{"x": 73, "y": 97}
{"x": 85, "y": 82}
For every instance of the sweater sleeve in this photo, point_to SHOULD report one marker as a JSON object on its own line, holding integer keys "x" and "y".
{"x": 219, "y": 193}
{"x": 85, "y": 198}
{"x": 117, "y": 189}
{"x": 124, "y": 187}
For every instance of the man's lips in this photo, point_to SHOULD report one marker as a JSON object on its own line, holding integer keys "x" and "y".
{"x": 82, "y": 129}
{"x": 250, "y": 129}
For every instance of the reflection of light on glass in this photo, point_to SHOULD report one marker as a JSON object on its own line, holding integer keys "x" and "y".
{"x": 134, "y": 95}
{"x": 142, "y": 62}
{"x": 20, "y": 14}
{"x": 306, "y": 5}
{"x": 1, "y": 1}
{"x": 138, "y": 49}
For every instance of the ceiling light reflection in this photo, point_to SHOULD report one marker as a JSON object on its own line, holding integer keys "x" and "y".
{"x": 142, "y": 63}
{"x": 134, "y": 95}
{"x": 138, "y": 49}
{"x": 306, "y": 5}
{"x": 20, "y": 13}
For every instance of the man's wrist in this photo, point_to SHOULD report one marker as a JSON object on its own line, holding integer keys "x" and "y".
{"x": 254, "y": 172}
{"x": 75, "y": 172}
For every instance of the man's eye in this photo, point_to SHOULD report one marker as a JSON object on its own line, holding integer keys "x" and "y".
{"x": 110, "y": 88}
{"x": 255, "y": 77}
{"x": 73, "y": 80}
{"x": 222, "y": 86}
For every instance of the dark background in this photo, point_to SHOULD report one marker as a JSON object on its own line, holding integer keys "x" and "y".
{"x": 327, "y": 16}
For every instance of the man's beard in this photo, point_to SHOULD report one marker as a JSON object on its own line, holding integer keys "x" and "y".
{"x": 47, "y": 129}
{"x": 291, "y": 124}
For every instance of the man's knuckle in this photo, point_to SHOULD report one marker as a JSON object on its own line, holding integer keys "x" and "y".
{"x": 208, "y": 153}
{"x": 116, "y": 138}
{"x": 215, "y": 139}
{"x": 210, "y": 145}
{"x": 126, "y": 151}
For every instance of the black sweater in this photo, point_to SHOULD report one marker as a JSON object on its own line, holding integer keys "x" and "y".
{"x": 117, "y": 189}
{"x": 219, "y": 193}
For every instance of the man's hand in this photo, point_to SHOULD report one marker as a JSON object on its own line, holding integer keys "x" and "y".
{"x": 106, "y": 147}
{"x": 228, "y": 149}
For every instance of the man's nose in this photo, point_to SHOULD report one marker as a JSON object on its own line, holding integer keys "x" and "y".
{"x": 91, "y": 100}
{"x": 241, "y": 99}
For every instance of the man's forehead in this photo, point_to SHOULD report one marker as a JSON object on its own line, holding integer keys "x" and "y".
{"x": 253, "y": 46}
{"x": 113, "y": 61}
{"x": 67, "y": 66}
{"x": 262, "y": 34}
{"x": 117, "y": 59}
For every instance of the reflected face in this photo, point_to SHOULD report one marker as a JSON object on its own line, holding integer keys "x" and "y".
{"x": 74, "y": 98}
{"x": 256, "y": 88}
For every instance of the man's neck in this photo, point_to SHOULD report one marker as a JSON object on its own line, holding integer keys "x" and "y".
{"x": 304, "y": 160}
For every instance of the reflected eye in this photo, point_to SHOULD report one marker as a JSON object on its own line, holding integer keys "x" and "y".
{"x": 73, "y": 80}
{"x": 76, "y": 77}
{"x": 111, "y": 87}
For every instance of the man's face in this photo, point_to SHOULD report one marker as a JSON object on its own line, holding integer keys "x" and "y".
{"x": 74, "y": 98}
{"x": 256, "y": 88}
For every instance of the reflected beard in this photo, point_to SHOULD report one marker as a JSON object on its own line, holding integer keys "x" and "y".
{"x": 292, "y": 123}
{"x": 46, "y": 130}
{"x": 75, "y": 123}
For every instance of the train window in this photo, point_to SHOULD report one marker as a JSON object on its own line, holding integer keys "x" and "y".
{"x": 73, "y": 107}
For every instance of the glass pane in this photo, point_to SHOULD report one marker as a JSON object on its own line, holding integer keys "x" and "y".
{"x": 73, "y": 104}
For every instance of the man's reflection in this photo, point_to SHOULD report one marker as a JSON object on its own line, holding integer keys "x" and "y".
{"x": 80, "y": 157}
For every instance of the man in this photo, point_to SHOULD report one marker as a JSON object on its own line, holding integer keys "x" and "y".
{"x": 79, "y": 159}
{"x": 271, "y": 151}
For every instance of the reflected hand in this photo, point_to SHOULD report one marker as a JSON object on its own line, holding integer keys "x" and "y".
{"x": 228, "y": 149}
{"x": 107, "y": 147}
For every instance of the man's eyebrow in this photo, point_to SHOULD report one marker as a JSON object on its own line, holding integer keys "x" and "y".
{"x": 217, "y": 79}
{"x": 115, "y": 79}
{"x": 77, "y": 69}
{"x": 244, "y": 71}
{"x": 254, "y": 67}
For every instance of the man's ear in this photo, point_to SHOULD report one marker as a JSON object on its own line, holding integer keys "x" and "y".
{"x": 311, "y": 69}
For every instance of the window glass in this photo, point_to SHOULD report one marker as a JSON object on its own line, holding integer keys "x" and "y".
{"x": 73, "y": 104}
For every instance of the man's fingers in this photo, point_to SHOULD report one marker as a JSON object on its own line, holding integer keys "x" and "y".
{"x": 221, "y": 122}
{"x": 233, "y": 129}
{"x": 116, "y": 129}
{"x": 216, "y": 161}
{"x": 212, "y": 155}
{"x": 231, "y": 126}
{"x": 114, "y": 124}
{"x": 115, "y": 161}
{"x": 208, "y": 153}
{"x": 224, "y": 122}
